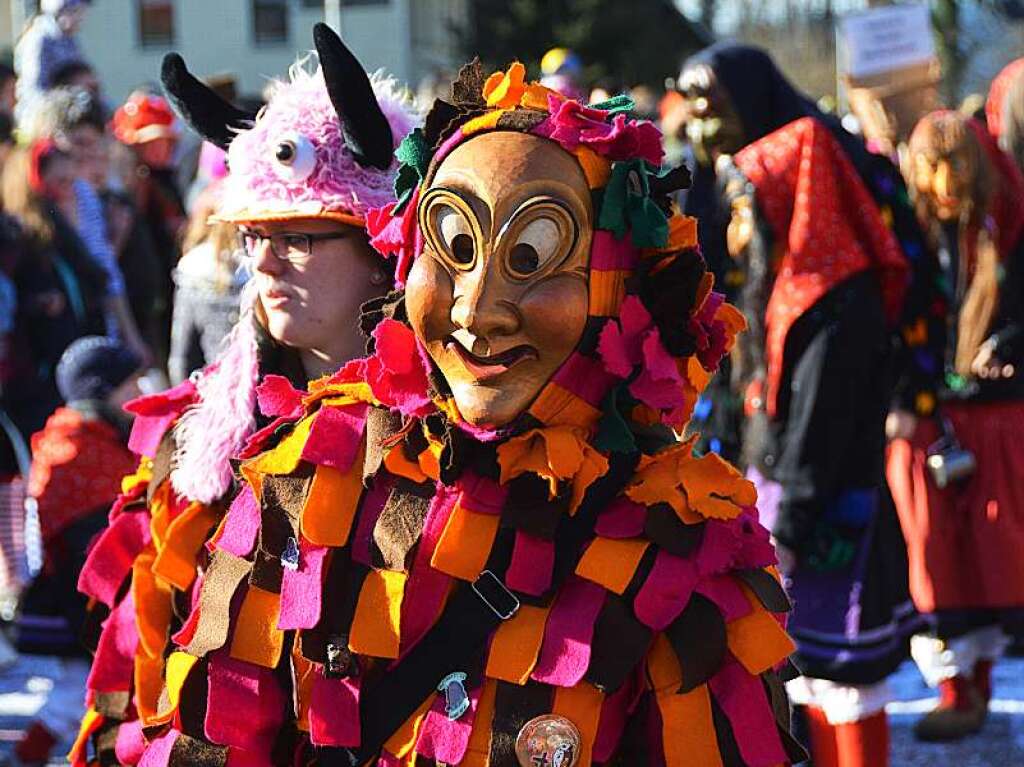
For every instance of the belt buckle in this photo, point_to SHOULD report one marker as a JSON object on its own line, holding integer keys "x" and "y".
{"x": 488, "y": 577}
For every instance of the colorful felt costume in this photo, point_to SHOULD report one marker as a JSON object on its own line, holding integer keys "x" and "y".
{"x": 396, "y": 587}
{"x": 146, "y": 568}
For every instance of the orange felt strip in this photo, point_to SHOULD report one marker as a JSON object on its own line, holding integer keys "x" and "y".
{"x": 516, "y": 645}
{"x": 402, "y": 742}
{"x": 611, "y": 563}
{"x": 176, "y": 562}
{"x": 149, "y": 683}
{"x": 465, "y": 544}
{"x": 663, "y": 666}
{"x": 687, "y": 729}
{"x": 556, "y": 406}
{"x": 478, "y": 751}
{"x": 305, "y": 674}
{"x": 257, "y": 639}
{"x": 152, "y": 605}
{"x": 331, "y": 504}
{"x": 596, "y": 169}
{"x": 396, "y": 462}
{"x": 607, "y": 289}
{"x": 581, "y": 705}
{"x": 160, "y": 514}
{"x": 376, "y": 625}
{"x": 757, "y": 640}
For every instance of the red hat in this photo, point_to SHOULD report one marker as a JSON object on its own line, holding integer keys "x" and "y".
{"x": 143, "y": 118}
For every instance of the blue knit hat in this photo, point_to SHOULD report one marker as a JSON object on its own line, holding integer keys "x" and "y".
{"x": 94, "y": 366}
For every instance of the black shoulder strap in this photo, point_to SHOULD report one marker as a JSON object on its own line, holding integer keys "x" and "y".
{"x": 472, "y": 613}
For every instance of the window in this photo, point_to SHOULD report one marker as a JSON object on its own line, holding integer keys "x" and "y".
{"x": 156, "y": 22}
{"x": 270, "y": 21}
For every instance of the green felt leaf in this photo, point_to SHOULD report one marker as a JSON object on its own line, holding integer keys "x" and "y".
{"x": 613, "y": 432}
{"x": 616, "y": 104}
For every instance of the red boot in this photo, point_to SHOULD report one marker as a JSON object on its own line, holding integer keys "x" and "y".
{"x": 35, "y": 745}
{"x": 961, "y": 712}
{"x": 822, "y": 736}
{"x": 864, "y": 743}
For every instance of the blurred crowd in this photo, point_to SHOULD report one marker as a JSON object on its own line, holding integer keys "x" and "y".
{"x": 876, "y": 260}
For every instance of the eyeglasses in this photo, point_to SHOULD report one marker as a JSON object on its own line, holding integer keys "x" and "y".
{"x": 293, "y": 247}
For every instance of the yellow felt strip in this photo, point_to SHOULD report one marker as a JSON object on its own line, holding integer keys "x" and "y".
{"x": 331, "y": 504}
{"x": 581, "y": 705}
{"x": 90, "y": 723}
{"x": 465, "y": 544}
{"x": 687, "y": 729}
{"x": 376, "y": 626}
{"x": 179, "y": 664}
{"x": 284, "y": 458}
{"x": 516, "y": 645}
{"x": 611, "y": 563}
{"x": 257, "y": 638}
{"x": 176, "y": 562}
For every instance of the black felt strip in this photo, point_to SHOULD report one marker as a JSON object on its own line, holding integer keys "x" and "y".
{"x": 92, "y": 626}
{"x": 192, "y": 701}
{"x": 530, "y": 509}
{"x": 768, "y": 590}
{"x": 400, "y": 524}
{"x": 620, "y": 642}
{"x": 514, "y": 706}
{"x": 193, "y": 752}
{"x": 698, "y": 638}
{"x": 105, "y": 743}
{"x": 635, "y": 746}
{"x": 267, "y": 573}
{"x": 776, "y": 692}
{"x": 664, "y": 527}
{"x": 591, "y": 333}
{"x": 343, "y": 583}
{"x": 727, "y": 745}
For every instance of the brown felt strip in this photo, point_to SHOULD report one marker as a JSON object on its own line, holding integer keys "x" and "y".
{"x": 619, "y": 644}
{"x": 162, "y": 464}
{"x": 192, "y": 752}
{"x": 113, "y": 705}
{"x": 664, "y": 527}
{"x": 698, "y": 637}
{"x": 222, "y": 579}
{"x": 381, "y": 424}
{"x": 400, "y": 524}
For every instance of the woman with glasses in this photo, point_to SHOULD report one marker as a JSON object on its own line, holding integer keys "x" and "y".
{"x": 305, "y": 172}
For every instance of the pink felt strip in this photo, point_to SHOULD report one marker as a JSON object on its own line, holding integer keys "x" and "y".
{"x": 744, "y": 702}
{"x": 726, "y": 593}
{"x": 159, "y": 751}
{"x": 302, "y": 589}
{"x": 533, "y": 561}
{"x": 130, "y": 742}
{"x": 426, "y": 590}
{"x": 666, "y": 591}
{"x": 585, "y": 377}
{"x": 242, "y": 525}
{"x": 240, "y": 757}
{"x": 610, "y": 255}
{"x": 482, "y": 495}
{"x": 443, "y": 739}
{"x": 614, "y": 714}
{"x": 110, "y": 560}
{"x": 235, "y": 687}
{"x": 565, "y": 652}
{"x": 334, "y": 712}
{"x": 154, "y": 414}
{"x": 621, "y": 519}
{"x": 369, "y": 511}
{"x": 335, "y": 436}
{"x": 114, "y": 664}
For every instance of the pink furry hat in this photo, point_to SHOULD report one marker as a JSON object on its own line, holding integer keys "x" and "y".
{"x": 323, "y": 147}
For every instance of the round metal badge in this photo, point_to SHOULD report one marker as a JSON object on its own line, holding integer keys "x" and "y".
{"x": 548, "y": 741}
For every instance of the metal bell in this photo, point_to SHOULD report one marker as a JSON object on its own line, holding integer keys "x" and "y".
{"x": 548, "y": 741}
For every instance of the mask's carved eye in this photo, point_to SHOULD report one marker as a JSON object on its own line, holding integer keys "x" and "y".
{"x": 538, "y": 243}
{"x": 456, "y": 235}
{"x": 294, "y": 158}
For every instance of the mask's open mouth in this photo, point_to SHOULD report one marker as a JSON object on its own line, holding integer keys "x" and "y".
{"x": 483, "y": 367}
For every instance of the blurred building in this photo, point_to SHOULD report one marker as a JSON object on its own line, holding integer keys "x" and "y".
{"x": 253, "y": 39}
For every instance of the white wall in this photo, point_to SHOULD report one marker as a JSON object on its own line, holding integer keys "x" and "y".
{"x": 215, "y": 36}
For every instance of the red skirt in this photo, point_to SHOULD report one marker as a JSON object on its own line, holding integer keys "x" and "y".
{"x": 965, "y": 542}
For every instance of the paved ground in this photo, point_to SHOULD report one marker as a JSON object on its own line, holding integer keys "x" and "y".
{"x": 1001, "y": 744}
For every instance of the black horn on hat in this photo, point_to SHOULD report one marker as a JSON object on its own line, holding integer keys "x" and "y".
{"x": 366, "y": 130}
{"x": 213, "y": 118}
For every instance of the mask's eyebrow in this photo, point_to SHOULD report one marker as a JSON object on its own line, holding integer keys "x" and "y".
{"x": 464, "y": 191}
